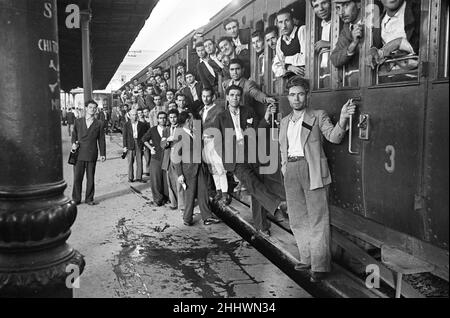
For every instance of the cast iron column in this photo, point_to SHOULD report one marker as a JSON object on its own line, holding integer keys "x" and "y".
{"x": 86, "y": 53}
{"x": 35, "y": 216}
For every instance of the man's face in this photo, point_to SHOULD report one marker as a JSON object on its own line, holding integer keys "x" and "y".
{"x": 181, "y": 101}
{"x": 298, "y": 98}
{"x": 226, "y": 48}
{"x": 201, "y": 52}
{"x": 158, "y": 79}
{"x": 173, "y": 105}
{"x": 157, "y": 100}
{"x": 173, "y": 118}
{"x": 162, "y": 119}
{"x": 170, "y": 96}
{"x": 133, "y": 116}
{"x": 180, "y": 70}
{"x": 91, "y": 109}
{"x": 152, "y": 80}
{"x": 190, "y": 78}
{"x": 232, "y": 29}
{"x": 271, "y": 40}
{"x": 285, "y": 24}
{"x": 348, "y": 11}
{"x": 163, "y": 86}
{"x": 258, "y": 44}
{"x": 322, "y": 9}
{"x": 234, "y": 98}
{"x": 125, "y": 108}
{"x": 207, "y": 98}
{"x": 135, "y": 83}
{"x": 157, "y": 71}
{"x": 235, "y": 72}
{"x": 166, "y": 75}
{"x": 150, "y": 90}
{"x": 146, "y": 112}
{"x": 140, "y": 114}
{"x": 392, "y": 4}
{"x": 210, "y": 48}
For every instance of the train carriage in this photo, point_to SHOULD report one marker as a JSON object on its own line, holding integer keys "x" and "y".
{"x": 391, "y": 173}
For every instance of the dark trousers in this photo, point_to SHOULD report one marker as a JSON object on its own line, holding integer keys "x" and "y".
{"x": 78, "y": 171}
{"x": 135, "y": 155}
{"x": 197, "y": 187}
{"x": 147, "y": 156}
{"x": 157, "y": 181}
{"x": 256, "y": 188}
{"x": 274, "y": 183}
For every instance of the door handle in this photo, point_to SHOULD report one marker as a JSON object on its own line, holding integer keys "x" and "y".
{"x": 364, "y": 126}
{"x": 350, "y": 139}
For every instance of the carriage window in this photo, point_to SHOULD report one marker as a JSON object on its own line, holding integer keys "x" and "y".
{"x": 322, "y": 45}
{"x": 443, "y": 41}
{"x": 394, "y": 56}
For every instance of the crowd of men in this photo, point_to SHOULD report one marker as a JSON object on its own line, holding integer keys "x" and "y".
{"x": 165, "y": 129}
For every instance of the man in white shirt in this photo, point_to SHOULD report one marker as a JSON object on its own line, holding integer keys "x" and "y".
{"x": 322, "y": 9}
{"x": 133, "y": 131}
{"x": 206, "y": 72}
{"x": 307, "y": 176}
{"x": 291, "y": 45}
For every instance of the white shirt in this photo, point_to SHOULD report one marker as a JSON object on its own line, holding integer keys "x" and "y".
{"x": 135, "y": 130}
{"x": 188, "y": 132}
{"x": 89, "y": 122}
{"x": 193, "y": 91}
{"x": 297, "y": 59}
{"x": 160, "y": 130}
{"x": 206, "y": 111}
{"x": 294, "y": 137}
{"x": 237, "y": 124}
{"x": 394, "y": 27}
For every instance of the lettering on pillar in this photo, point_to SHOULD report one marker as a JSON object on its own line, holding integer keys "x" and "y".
{"x": 50, "y": 47}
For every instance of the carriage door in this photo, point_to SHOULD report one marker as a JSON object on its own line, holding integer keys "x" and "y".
{"x": 391, "y": 128}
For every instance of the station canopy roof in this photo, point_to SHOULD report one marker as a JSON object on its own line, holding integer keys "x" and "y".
{"x": 115, "y": 24}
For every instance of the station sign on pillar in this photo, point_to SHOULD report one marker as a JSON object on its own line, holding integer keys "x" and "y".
{"x": 35, "y": 216}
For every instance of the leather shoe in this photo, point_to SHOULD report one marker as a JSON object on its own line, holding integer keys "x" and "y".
{"x": 317, "y": 277}
{"x": 283, "y": 207}
{"x": 302, "y": 267}
{"x": 141, "y": 181}
{"x": 278, "y": 216}
{"x": 218, "y": 195}
{"x": 130, "y": 181}
{"x": 211, "y": 221}
{"x": 92, "y": 203}
{"x": 265, "y": 232}
{"x": 188, "y": 223}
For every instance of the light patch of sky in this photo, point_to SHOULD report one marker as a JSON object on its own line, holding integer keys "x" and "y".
{"x": 169, "y": 22}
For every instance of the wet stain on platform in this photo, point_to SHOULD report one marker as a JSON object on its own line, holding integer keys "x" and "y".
{"x": 190, "y": 263}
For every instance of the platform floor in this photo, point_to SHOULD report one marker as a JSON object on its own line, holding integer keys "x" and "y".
{"x": 136, "y": 250}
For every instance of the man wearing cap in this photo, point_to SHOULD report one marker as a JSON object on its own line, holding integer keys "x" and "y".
{"x": 346, "y": 52}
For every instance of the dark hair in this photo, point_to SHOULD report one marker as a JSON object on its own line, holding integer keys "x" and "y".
{"x": 225, "y": 38}
{"x": 181, "y": 64}
{"x": 179, "y": 94}
{"x": 209, "y": 89}
{"x": 139, "y": 110}
{"x": 160, "y": 67}
{"x": 285, "y": 11}
{"x": 183, "y": 117}
{"x": 228, "y": 21}
{"x": 298, "y": 81}
{"x": 234, "y": 87}
{"x": 161, "y": 113}
{"x": 258, "y": 34}
{"x": 271, "y": 29}
{"x": 199, "y": 44}
{"x": 209, "y": 40}
{"x": 311, "y": 1}
{"x": 171, "y": 90}
{"x": 90, "y": 102}
{"x": 173, "y": 111}
{"x": 237, "y": 61}
{"x": 189, "y": 73}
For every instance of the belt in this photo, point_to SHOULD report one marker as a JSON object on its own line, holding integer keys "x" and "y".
{"x": 295, "y": 159}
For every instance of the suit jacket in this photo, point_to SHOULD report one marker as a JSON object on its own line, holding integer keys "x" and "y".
{"x": 339, "y": 56}
{"x": 316, "y": 126}
{"x": 207, "y": 79}
{"x": 224, "y": 121}
{"x": 128, "y": 140}
{"x": 195, "y": 106}
{"x": 152, "y": 136}
{"x": 211, "y": 117}
{"x": 167, "y": 147}
{"x": 185, "y": 158}
{"x": 70, "y": 117}
{"x": 252, "y": 95}
{"x": 88, "y": 139}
